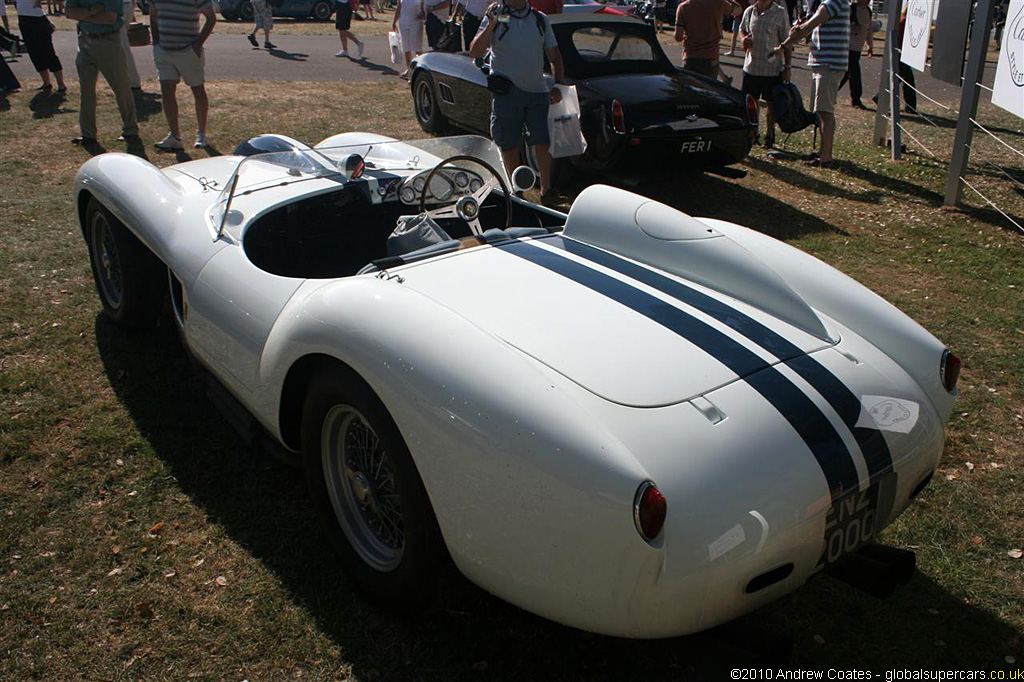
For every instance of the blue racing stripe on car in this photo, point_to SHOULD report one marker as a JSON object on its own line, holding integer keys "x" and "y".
{"x": 806, "y": 418}
{"x": 871, "y": 441}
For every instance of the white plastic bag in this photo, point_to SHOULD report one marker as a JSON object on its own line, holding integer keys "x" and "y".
{"x": 564, "y": 125}
{"x": 395, "y": 43}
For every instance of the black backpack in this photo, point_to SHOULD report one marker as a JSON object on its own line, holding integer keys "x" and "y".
{"x": 788, "y": 107}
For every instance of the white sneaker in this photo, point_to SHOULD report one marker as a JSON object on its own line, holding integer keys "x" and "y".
{"x": 404, "y": 75}
{"x": 359, "y": 49}
{"x": 342, "y": 53}
{"x": 170, "y": 143}
{"x": 201, "y": 142}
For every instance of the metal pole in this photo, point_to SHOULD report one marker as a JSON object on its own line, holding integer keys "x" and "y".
{"x": 888, "y": 94}
{"x": 894, "y": 91}
{"x": 969, "y": 101}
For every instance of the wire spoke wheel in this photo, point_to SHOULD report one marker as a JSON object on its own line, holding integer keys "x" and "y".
{"x": 362, "y": 488}
{"x": 108, "y": 266}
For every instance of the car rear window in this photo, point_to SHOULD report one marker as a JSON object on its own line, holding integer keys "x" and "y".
{"x": 598, "y": 44}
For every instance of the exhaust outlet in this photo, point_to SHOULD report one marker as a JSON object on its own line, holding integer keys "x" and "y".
{"x": 876, "y": 569}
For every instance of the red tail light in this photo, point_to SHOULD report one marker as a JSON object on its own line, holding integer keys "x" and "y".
{"x": 752, "y": 109}
{"x": 949, "y": 370}
{"x": 618, "y": 117}
{"x": 649, "y": 507}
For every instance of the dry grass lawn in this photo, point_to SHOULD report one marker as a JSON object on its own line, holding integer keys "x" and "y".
{"x": 139, "y": 538}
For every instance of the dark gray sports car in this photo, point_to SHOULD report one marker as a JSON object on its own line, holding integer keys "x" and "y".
{"x": 636, "y": 106}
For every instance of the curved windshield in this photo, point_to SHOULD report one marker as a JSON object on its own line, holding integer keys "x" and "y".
{"x": 341, "y": 159}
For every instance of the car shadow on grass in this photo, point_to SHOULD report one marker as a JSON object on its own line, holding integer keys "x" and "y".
{"x": 263, "y": 508}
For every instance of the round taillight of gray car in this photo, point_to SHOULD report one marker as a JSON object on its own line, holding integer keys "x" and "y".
{"x": 949, "y": 369}
{"x": 649, "y": 508}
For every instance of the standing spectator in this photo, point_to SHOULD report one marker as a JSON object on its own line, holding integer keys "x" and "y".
{"x": 736, "y": 18}
{"x": 263, "y": 18}
{"x": 472, "y": 14}
{"x": 905, "y": 71}
{"x": 37, "y": 32}
{"x": 408, "y": 21}
{"x": 829, "y": 28}
{"x": 436, "y": 18}
{"x": 369, "y": 9}
{"x": 129, "y": 58}
{"x": 519, "y": 38}
{"x": 178, "y": 54}
{"x": 764, "y": 25}
{"x": 860, "y": 34}
{"x": 343, "y": 22}
{"x": 699, "y": 29}
{"x": 100, "y": 51}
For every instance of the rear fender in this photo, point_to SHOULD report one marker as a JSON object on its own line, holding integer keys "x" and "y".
{"x": 853, "y": 305}
{"x": 533, "y": 496}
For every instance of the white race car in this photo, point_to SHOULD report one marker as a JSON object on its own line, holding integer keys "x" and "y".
{"x": 624, "y": 419}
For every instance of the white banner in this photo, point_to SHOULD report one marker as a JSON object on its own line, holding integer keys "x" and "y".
{"x": 1008, "y": 91}
{"x": 917, "y": 33}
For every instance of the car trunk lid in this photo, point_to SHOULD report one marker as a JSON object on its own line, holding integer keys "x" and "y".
{"x": 613, "y": 334}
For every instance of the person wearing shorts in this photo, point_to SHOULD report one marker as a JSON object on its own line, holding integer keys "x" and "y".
{"x": 343, "y": 22}
{"x": 520, "y": 38}
{"x": 262, "y": 18}
{"x": 408, "y": 21}
{"x": 178, "y": 53}
{"x": 764, "y": 25}
{"x": 829, "y": 29}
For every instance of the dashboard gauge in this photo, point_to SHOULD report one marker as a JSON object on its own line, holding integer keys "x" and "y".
{"x": 408, "y": 195}
{"x": 441, "y": 187}
{"x": 461, "y": 179}
{"x": 475, "y": 184}
{"x": 418, "y": 183}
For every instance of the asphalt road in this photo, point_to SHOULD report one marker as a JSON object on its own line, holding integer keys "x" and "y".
{"x": 311, "y": 58}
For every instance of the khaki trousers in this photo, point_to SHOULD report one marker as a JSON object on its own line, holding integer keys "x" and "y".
{"x": 104, "y": 54}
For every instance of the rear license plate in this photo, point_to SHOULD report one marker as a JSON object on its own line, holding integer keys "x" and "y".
{"x": 849, "y": 524}
{"x": 695, "y": 147}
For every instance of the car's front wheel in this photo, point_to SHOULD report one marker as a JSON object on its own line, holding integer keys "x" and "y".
{"x": 428, "y": 114}
{"x": 322, "y": 10}
{"x": 129, "y": 279}
{"x": 245, "y": 10}
{"x": 365, "y": 487}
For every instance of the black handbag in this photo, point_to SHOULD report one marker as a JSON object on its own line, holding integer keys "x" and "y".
{"x": 499, "y": 85}
{"x": 451, "y": 37}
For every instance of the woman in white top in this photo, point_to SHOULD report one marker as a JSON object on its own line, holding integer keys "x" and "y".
{"x": 409, "y": 16}
{"x": 37, "y": 32}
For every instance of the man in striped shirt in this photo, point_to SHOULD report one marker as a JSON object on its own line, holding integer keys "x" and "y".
{"x": 178, "y": 53}
{"x": 829, "y": 28}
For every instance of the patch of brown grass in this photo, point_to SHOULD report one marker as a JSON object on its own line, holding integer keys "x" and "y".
{"x": 104, "y": 436}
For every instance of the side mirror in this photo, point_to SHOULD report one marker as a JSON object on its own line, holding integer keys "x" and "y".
{"x": 352, "y": 166}
{"x": 523, "y": 178}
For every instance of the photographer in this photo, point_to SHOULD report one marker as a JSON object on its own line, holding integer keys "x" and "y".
{"x": 519, "y": 37}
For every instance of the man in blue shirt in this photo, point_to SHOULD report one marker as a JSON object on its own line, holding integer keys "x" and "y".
{"x": 100, "y": 51}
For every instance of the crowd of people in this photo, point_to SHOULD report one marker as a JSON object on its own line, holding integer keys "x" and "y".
{"x": 837, "y": 32}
